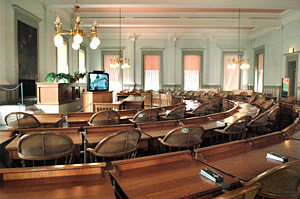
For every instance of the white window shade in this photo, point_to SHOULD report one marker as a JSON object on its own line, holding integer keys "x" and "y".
{"x": 62, "y": 59}
{"x": 151, "y": 70}
{"x": 114, "y": 80}
{"x": 231, "y": 76}
{"x": 191, "y": 72}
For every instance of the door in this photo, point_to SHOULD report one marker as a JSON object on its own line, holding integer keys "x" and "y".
{"x": 292, "y": 75}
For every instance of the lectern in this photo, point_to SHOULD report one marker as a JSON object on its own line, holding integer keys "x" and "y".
{"x": 96, "y": 97}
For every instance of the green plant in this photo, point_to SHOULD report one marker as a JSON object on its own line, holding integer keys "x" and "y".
{"x": 78, "y": 75}
{"x": 51, "y": 77}
{"x": 65, "y": 77}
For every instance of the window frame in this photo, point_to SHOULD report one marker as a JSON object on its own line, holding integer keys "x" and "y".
{"x": 112, "y": 52}
{"x": 183, "y": 53}
{"x": 83, "y": 48}
{"x": 257, "y": 52}
{"x": 224, "y": 53}
{"x": 152, "y": 52}
{"x": 65, "y": 40}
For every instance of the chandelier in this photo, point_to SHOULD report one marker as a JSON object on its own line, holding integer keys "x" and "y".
{"x": 76, "y": 33}
{"x": 240, "y": 61}
{"x": 117, "y": 62}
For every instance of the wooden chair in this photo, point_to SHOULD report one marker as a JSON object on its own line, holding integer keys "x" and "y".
{"x": 251, "y": 98}
{"x": 237, "y": 130}
{"x": 200, "y": 110}
{"x": 175, "y": 113}
{"x": 107, "y": 117}
{"x": 20, "y": 120}
{"x": 245, "y": 192}
{"x": 242, "y": 96}
{"x": 188, "y": 95}
{"x": 266, "y": 105}
{"x": 289, "y": 100}
{"x": 123, "y": 143}
{"x": 259, "y": 101}
{"x": 272, "y": 119}
{"x": 183, "y": 137}
{"x": 259, "y": 124}
{"x": 44, "y": 147}
{"x": 281, "y": 181}
{"x": 146, "y": 115}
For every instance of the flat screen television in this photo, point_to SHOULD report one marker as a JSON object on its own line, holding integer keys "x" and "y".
{"x": 98, "y": 81}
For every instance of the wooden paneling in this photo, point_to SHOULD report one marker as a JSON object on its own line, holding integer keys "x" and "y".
{"x": 96, "y": 97}
{"x": 58, "y": 93}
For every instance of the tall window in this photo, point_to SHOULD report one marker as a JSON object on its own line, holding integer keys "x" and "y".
{"x": 151, "y": 70}
{"x": 81, "y": 62}
{"x": 232, "y": 75}
{"x": 114, "y": 77}
{"x": 260, "y": 72}
{"x": 191, "y": 72}
{"x": 62, "y": 59}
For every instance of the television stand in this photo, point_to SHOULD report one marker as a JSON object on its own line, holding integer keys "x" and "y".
{"x": 96, "y": 97}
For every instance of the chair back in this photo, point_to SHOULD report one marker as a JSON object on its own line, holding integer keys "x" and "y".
{"x": 20, "y": 120}
{"x": 118, "y": 144}
{"x": 44, "y": 146}
{"x": 240, "y": 125}
{"x": 252, "y": 98}
{"x": 259, "y": 101}
{"x": 266, "y": 105}
{"x": 260, "y": 119}
{"x": 281, "y": 181}
{"x": 245, "y": 192}
{"x": 200, "y": 109}
{"x": 176, "y": 113}
{"x": 211, "y": 93}
{"x": 107, "y": 117}
{"x": 289, "y": 100}
{"x": 272, "y": 115}
{"x": 146, "y": 115}
{"x": 184, "y": 136}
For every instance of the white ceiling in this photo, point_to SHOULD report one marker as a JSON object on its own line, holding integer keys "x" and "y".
{"x": 181, "y": 18}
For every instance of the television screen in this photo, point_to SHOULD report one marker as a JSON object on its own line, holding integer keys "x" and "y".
{"x": 98, "y": 81}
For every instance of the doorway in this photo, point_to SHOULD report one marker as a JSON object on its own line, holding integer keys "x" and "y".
{"x": 291, "y": 73}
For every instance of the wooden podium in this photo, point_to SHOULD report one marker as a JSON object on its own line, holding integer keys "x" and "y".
{"x": 96, "y": 97}
{"x": 49, "y": 93}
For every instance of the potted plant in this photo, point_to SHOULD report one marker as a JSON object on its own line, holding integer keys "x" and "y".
{"x": 51, "y": 77}
{"x": 78, "y": 75}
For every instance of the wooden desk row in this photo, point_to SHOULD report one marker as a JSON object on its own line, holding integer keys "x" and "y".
{"x": 64, "y": 181}
{"x": 153, "y": 130}
{"x": 176, "y": 175}
{"x": 81, "y": 119}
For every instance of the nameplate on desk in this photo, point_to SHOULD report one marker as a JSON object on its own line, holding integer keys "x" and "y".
{"x": 220, "y": 123}
{"x": 278, "y": 157}
{"x": 212, "y": 175}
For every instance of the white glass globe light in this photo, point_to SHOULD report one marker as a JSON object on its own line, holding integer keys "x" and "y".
{"x": 96, "y": 41}
{"x": 58, "y": 44}
{"x": 242, "y": 66}
{"x": 93, "y": 46}
{"x": 75, "y": 46}
{"x": 233, "y": 66}
{"x": 58, "y": 40}
{"x": 78, "y": 38}
{"x": 228, "y": 66}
